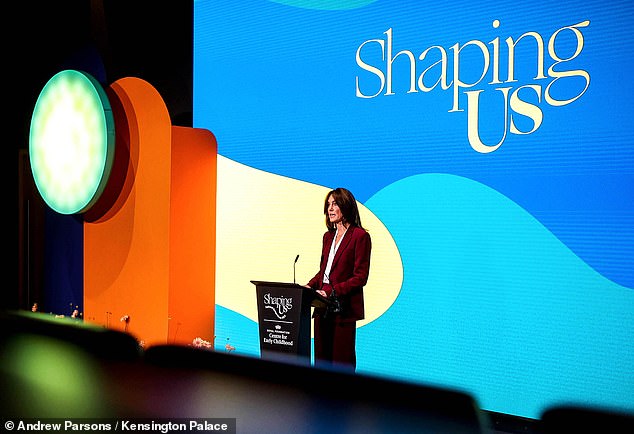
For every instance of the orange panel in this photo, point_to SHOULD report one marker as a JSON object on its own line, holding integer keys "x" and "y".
{"x": 192, "y": 235}
{"x": 126, "y": 250}
{"x": 149, "y": 243}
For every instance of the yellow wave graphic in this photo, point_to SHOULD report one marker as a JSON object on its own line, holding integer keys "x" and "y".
{"x": 265, "y": 220}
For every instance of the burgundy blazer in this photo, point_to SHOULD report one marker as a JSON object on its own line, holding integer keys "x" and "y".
{"x": 349, "y": 271}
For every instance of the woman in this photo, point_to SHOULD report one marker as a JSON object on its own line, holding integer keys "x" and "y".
{"x": 343, "y": 272}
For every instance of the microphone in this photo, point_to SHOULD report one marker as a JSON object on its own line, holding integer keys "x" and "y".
{"x": 296, "y": 258}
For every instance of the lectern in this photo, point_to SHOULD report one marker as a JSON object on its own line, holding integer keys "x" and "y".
{"x": 284, "y": 319}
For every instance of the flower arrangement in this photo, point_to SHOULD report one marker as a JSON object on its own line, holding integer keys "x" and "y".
{"x": 125, "y": 319}
{"x": 201, "y": 343}
{"x": 229, "y": 347}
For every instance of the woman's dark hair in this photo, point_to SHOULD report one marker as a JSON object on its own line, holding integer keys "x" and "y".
{"x": 347, "y": 204}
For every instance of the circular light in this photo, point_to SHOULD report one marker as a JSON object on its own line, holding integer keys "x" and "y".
{"x": 71, "y": 142}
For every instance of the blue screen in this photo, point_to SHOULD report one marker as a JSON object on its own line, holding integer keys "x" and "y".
{"x": 493, "y": 142}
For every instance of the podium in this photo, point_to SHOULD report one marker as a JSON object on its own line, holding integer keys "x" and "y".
{"x": 284, "y": 319}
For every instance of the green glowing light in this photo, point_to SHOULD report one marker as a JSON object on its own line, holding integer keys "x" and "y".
{"x": 71, "y": 143}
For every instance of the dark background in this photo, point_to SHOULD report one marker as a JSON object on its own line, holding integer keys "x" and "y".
{"x": 111, "y": 39}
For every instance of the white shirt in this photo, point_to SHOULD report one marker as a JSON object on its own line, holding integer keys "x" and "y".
{"x": 331, "y": 256}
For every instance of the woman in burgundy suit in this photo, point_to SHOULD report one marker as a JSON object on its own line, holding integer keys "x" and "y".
{"x": 343, "y": 270}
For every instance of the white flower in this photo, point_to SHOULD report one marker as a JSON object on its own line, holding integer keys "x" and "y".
{"x": 201, "y": 343}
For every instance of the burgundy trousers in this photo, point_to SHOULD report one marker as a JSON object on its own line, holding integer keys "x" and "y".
{"x": 335, "y": 342}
